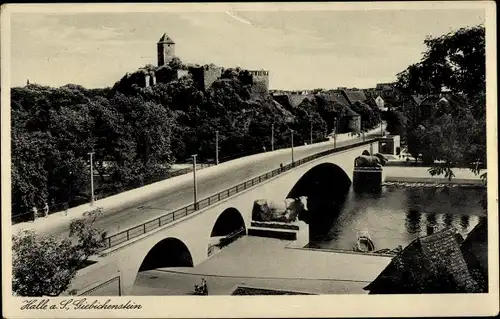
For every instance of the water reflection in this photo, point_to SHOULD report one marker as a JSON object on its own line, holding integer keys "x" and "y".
{"x": 412, "y": 222}
{"x": 394, "y": 216}
{"x": 464, "y": 222}
{"x": 448, "y": 219}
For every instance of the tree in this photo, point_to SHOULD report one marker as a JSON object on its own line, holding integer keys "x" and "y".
{"x": 29, "y": 176}
{"x": 455, "y": 134}
{"x": 455, "y": 60}
{"x": 396, "y": 123}
{"x": 369, "y": 117}
{"x": 45, "y": 266}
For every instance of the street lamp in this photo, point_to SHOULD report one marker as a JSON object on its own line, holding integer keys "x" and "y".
{"x": 91, "y": 179}
{"x": 216, "y": 147}
{"x": 311, "y": 130}
{"x": 363, "y": 129}
{"x": 335, "y": 133}
{"x": 272, "y": 137}
{"x": 291, "y": 131}
{"x": 195, "y": 188}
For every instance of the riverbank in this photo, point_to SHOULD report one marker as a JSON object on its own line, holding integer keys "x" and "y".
{"x": 409, "y": 182}
{"x": 414, "y": 175}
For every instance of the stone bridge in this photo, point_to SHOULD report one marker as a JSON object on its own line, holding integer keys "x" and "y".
{"x": 184, "y": 242}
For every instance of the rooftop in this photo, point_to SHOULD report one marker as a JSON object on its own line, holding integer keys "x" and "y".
{"x": 430, "y": 264}
{"x": 166, "y": 39}
{"x": 354, "y": 96}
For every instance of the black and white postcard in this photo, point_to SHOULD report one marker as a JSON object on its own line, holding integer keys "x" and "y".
{"x": 249, "y": 160}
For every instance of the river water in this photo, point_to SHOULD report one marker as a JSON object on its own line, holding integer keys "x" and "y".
{"x": 396, "y": 216}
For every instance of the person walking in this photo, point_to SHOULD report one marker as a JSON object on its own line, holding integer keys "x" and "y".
{"x": 204, "y": 286}
{"x": 35, "y": 212}
{"x": 46, "y": 210}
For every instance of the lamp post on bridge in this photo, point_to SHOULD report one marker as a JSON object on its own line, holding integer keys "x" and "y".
{"x": 363, "y": 129}
{"x": 310, "y": 130}
{"x": 291, "y": 131}
{"x": 195, "y": 186}
{"x": 91, "y": 179}
{"x": 335, "y": 133}
{"x": 272, "y": 137}
{"x": 216, "y": 148}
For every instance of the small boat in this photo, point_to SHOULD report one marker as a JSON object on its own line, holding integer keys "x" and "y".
{"x": 364, "y": 243}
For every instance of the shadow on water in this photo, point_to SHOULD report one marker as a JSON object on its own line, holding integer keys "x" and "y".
{"x": 323, "y": 213}
{"x": 326, "y": 187}
{"x": 412, "y": 221}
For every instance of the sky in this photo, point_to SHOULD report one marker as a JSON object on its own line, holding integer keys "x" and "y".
{"x": 301, "y": 49}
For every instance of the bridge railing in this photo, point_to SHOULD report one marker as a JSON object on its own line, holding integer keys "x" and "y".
{"x": 170, "y": 217}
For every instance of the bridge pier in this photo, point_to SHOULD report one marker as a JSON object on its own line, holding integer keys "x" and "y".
{"x": 367, "y": 178}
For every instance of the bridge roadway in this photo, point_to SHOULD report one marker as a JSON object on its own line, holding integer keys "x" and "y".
{"x": 182, "y": 194}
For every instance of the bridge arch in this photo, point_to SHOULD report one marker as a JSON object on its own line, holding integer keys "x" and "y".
{"x": 169, "y": 252}
{"x": 228, "y": 226}
{"x": 228, "y": 221}
{"x": 326, "y": 186}
{"x": 323, "y": 180}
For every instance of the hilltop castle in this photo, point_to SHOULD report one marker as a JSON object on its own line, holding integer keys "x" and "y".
{"x": 203, "y": 76}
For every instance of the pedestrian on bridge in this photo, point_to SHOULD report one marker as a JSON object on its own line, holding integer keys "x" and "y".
{"x": 46, "y": 210}
{"x": 35, "y": 212}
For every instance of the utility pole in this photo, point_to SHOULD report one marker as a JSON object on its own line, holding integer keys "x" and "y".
{"x": 311, "y": 130}
{"x": 292, "y": 146}
{"x": 216, "y": 147}
{"x": 272, "y": 137}
{"x": 195, "y": 188}
{"x": 335, "y": 134}
{"x": 363, "y": 130}
{"x": 91, "y": 179}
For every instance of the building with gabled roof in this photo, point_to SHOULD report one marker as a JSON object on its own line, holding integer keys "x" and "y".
{"x": 353, "y": 96}
{"x": 430, "y": 264}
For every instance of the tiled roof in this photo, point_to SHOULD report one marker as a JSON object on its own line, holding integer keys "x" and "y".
{"x": 384, "y": 86}
{"x": 296, "y": 99}
{"x": 475, "y": 249}
{"x": 431, "y": 261}
{"x": 283, "y": 100}
{"x": 417, "y": 98}
{"x": 288, "y": 116}
{"x": 354, "y": 96}
{"x": 350, "y": 113}
{"x": 338, "y": 97}
{"x": 166, "y": 39}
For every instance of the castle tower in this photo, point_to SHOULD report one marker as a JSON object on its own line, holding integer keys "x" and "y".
{"x": 166, "y": 49}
